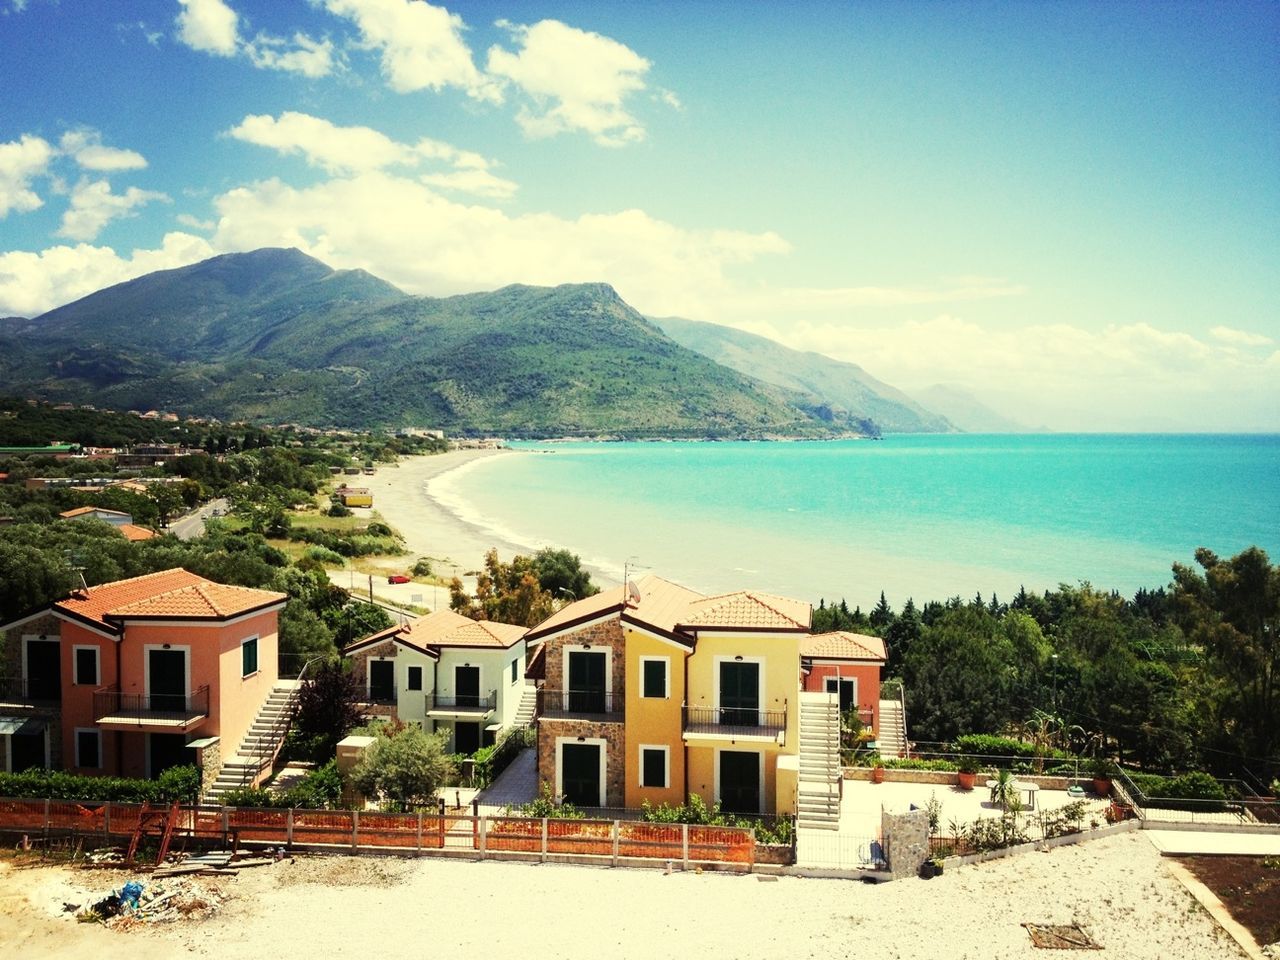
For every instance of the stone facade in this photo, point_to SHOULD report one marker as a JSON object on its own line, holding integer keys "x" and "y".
{"x": 11, "y": 667}
{"x": 360, "y": 661}
{"x": 906, "y": 841}
{"x": 615, "y": 754}
{"x": 607, "y": 635}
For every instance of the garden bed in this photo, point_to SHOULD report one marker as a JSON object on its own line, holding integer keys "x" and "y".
{"x": 1249, "y": 887}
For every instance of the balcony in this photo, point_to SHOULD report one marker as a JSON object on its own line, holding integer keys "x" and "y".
{"x": 732, "y": 723}
{"x": 114, "y": 710}
{"x": 15, "y": 691}
{"x": 472, "y": 706}
{"x": 580, "y": 705}
{"x": 383, "y": 694}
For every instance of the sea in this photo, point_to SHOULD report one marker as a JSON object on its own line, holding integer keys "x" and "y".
{"x": 920, "y": 516}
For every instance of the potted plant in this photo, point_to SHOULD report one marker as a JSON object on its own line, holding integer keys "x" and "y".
{"x": 967, "y": 773}
{"x": 1103, "y": 769}
{"x": 877, "y": 770}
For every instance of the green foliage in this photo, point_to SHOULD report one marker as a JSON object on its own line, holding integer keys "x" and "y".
{"x": 327, "y": 711}
{"x": 560, "y": 574}
{"x": 321, "y": 789}
{"x": 176, "y": 783}
{"x": 916, "y": 763}
{"x": 695, "y": 811}
{"x": 324, "y": 555}
{"x": 407, "y": 767}
{"x": 355, "y": 621}
{"x": 992, "y": 745}
{"x": 544, "y": 805}
{"x": 505, "y": 593}
{"x": 1167, "y": 792}
{"x": 338, "y": 510}
{"x": 421, "y": 567}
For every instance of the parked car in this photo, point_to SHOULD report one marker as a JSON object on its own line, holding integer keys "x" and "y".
{"x": 399, "y": 578}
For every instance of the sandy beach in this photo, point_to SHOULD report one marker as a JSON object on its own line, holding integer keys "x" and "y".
{"x": 1118, "y": 889}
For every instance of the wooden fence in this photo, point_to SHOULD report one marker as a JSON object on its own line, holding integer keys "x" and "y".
{"x": 523, "y": 838}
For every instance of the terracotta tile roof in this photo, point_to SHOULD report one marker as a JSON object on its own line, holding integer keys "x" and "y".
{"x": 842, "y": 646}
{"x": 444, "y": 628}
{"x": 170, "y": 593}
{"x": 748, "y": 611}
{"x": 132, "y": 531}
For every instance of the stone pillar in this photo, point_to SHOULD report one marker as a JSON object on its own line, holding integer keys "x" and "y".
{"x": 350, "y": 750}
{"x": 906, "y": 840}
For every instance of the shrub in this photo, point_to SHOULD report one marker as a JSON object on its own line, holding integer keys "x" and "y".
{"x": 324, "y": 555}
{"x": 915, "y": 763}
{"x": 546, "y": 806}
{"x": 250, "y": 797}
{"x": 338, "y": 510}
{"x": 407, "y": 767}
{"x": 1204, "y": 792}
{"x": 177, "y": 783}
{"x": 421, "y": 567}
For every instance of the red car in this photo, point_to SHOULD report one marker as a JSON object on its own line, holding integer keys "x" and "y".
{"x": 399, "y": 578}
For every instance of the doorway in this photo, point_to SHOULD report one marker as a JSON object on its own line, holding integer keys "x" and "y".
{"x": 382, "y": 681}
{"x": 167, "y": 681}
{"x": 587, "y": 682}
{"x": 466, "y": 738}
{"x": 847, "y": 687}
{"x": 580, "y": 774}
{"x": 739, "y": 781}
{"x": 466, "y": 686}
{"x": 739, "y": 693}
{"x": 28, "y": 750}
{"x": 44, "y": 670}
{"x": 164, "y": 751}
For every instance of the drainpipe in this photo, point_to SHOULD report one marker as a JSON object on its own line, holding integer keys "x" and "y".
{"x": 119, "y": 686}
{"x": 685, "y": 743}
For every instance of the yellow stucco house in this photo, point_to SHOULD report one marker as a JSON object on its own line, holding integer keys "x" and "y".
{"x": 654, "y": 692}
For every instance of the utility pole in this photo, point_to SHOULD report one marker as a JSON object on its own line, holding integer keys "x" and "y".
{"x": 1055, "y": 686}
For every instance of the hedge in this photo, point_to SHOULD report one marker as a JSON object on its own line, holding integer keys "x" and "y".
{"x": 915, "y": 763}
{"x": 176, "y": 783}
{"x": 1167, "y": 792}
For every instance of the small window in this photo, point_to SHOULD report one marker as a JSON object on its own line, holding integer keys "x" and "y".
{"x": 249, "y": 657}
{"x": 414, "y": 679}
{"x": 87, "y": 666}
{"x": 653, "y": 767}
{"x": 515, "y": 670}
{"x": 88, "y": 749}
{"x": 655, "y": 678}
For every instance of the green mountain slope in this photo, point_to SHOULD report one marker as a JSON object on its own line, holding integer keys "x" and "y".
{"x": 826, "y": 382}
{"x": 275, "y": 335}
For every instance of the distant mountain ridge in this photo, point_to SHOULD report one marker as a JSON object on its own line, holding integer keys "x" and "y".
{"x": 277, "y": 335}
{"x": 836, "y": 384}
{"x": 968, "y": 412}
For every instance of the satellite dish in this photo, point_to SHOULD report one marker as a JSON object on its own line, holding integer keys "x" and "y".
{"x": 633, "y": 592}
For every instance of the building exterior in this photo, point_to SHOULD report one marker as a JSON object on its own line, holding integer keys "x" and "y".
{"x": 120, "y": 520}
{"x": 446, "y": 673}
{"x": 354, "y": 496}
{"x": 653, "y": 692}
{"x": 849, "y": 665}
{"x": 119, "y": 678}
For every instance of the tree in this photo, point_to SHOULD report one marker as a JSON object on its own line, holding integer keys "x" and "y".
{"x": 560, "y": 574}
{"x": 408, "y": 766}
{"x": 168, "y": 501}
{"x": 354, "y": 621}
{"x": 1232, "y": 611}
{"x": 882, "y": 615}
{"x": 505, "y": 593}
{"x": 328, "y": 708}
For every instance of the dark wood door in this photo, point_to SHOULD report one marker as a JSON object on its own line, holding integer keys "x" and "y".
{"x": 382, "y": 681}
{"x": 167, "y": 676}
{"x": 466, "y": 738}
{"x": 466, "y": 686}
{"x": 740, "y": 694}
{"x": 739, "y": 781}
{"x": 586, "y": 681}
{"x": 580, "y": 774}
{"x": 44, "y": 670}
{"x": 165, "y": 750}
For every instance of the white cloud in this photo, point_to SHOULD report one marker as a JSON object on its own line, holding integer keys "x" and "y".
{"x": 31, "y": 283}
{"x": 209, "y": 26}
{"x": 359, "y": 149}
{"x": 93, "y": 206}
{"x": 575, "y": 80}
{"x": 311, "y": 58}
{"x": 1241, "y": 338}
{"x": 21, "y": 161}
{"x": 420, "y": 44}
{"x": 408, "y": 233}
{"x": 86, "y": 147}
{"x": 195, "y": 223}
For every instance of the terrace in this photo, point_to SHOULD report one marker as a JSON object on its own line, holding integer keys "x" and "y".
{"x": 466, "y": 705}
{"x": 114, "y": 710}
{"x": 700, "y": 722}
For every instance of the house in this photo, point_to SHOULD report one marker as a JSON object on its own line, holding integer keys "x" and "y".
{"x": 118, "y": 519}
{"x": 848, "y": 664}
{"x": 123, "y": 677}
{"x": 446, "y": 672}
{"x": 354, "y": 496}
{"x": 653, "y": 692}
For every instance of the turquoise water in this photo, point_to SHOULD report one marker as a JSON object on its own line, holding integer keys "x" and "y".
{"x": 920, "y": 516}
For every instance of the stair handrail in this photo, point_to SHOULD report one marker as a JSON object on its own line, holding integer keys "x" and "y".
{"x": 279, "y": 730}
{"x": 902, "y": 699}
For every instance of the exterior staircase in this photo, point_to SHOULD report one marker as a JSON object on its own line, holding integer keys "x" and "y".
{"x": 260, "y": 745}
{"x": 892, "y": 735}
{"x": 528, "y": 704}
{"x": 818, "y": 805}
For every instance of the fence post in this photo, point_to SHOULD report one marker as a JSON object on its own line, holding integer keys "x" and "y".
{"x": 751, "y": 861}
{"x": 289, "y": 828}
{"x": 106, "y": 820}
{"x": 46, "y": 813}
{"x": 419, "y": 841}
{"x": 615, "y": 843}
{"x": 226, "y": 826}
{"x": 355, "y": 830}
{"x": 684, "y": 844}
{"x": 544, "y": 839}
{"x": 484, "y": 836}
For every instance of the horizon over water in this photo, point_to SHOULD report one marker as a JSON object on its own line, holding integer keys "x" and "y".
{"x": 921, "y": 516}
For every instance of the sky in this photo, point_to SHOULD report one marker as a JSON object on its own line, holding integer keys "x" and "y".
{"x": 1070, "y": 210}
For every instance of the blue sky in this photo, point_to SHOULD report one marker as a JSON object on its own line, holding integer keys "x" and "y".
{"x": 1069, "y": 209}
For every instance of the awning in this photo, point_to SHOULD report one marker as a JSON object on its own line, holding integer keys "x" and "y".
{"x": 22, "y": 726}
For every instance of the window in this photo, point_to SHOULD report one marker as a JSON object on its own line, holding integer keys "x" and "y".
{"x": 515, "y": 670}
{"x": 249, "y": 657}
{"x": 88, "y": 749}
{"x": 654, "y": 677}
{"x": 414, "y": 679}
{"x": 653, "y": 767}
{"x": 86, "y": 665}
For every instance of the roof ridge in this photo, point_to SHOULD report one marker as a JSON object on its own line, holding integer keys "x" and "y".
{"x": 785, "y": 616}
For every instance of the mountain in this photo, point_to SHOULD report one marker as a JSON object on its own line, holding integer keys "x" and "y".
{"x": 278, "y": 336}
{"x": 968, "y": 412}
{"x": 828, "y": 383}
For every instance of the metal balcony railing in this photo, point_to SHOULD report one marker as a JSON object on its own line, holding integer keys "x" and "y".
{"x": 734, "y": 721}
{"x": 382, "y": 693}
{"x": 464, "y": 703}
{"x": 110, "y": 705}
{"x": 579, "y": 704}
{"x": 27, "y": 692}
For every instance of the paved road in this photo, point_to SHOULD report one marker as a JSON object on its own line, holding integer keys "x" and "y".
{"x": 191, "y": 525}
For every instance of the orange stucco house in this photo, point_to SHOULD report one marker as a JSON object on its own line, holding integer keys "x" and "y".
{"x": 848, "y": 664}
{"x": 122, "y": 677}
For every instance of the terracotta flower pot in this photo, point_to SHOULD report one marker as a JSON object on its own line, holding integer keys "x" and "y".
{"x": 965, "y": 781}
{"x": 1102, "y": 786}
{"x": 877, "y": 774}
